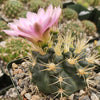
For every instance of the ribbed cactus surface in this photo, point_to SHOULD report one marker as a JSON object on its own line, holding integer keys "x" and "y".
{"x": 12, "y": 8}
{"x": 63, "y": 69}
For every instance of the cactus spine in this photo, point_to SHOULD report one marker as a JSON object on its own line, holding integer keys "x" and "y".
{"x": 63, "y": 69}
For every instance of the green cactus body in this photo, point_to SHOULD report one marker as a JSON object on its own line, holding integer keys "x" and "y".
{"x": 24, "y": 1}
{"x": 63, "y": 69}
{"x": 12, "y": 8}
{"x": 90, "y": 27}
{"x": 96, "y": 3}
{"x": 70, "y": 14}
{"x": 22, "y": 14}
{"x": 85, "y": 3}
{"x": 34, "y": 5}
{"x": 74, "y": 27}
{"x": 89, "y": 1}
{"x": 98, "y": 49}
{"x": 15, "y": 48}
{"x": 55, "y": 3}
{"x": 3, "y": 26}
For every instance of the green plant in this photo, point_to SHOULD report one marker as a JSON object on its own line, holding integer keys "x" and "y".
{"x": 63, "y": 68}
{"x": 12, "y": 8}
{"x": 55, "y": 3}
{"x": 15, "y": 48}
{"x": 90, "y": 27}
{"x": 74, "y": 27}
{"x": 70, "y": 14}
{"x": 24, "y": 1}
{"x": 3, "y": 26}
{"x": 22, "y": 14}
{"x": 96, "y": 3}
{"x": 98, "y": 49}
{"x": 85, "y": 3}
{"x": 34, "y": 5}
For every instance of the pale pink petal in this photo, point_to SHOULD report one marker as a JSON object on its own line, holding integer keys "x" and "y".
{"x": 13, "y": 26}
{"x": 11, "y": 32}
{"x": 41, "y": 12}
{"x": 49, "y": 11}
{"x": 32, "y": 17}
{"x": 35, "y": 26}
{"x": 46, "y": 24}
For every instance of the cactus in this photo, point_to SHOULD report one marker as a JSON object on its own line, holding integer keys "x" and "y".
{"x": 85, "y": 3}
{"x": 15, "y": 48}
{"x": 24, "y": 1}
{"x": 74, "y": 27}
{"x": 96, "y": 3}
{"x": 90, "y": 27}
{"x": 63, "y": 68}
{"x": 89, "y": 1}
{"x": 22, "y": 14}
{"x": 12, "y": 8}
{"x": 3, "y": 25}
{"x": 98, "y": 49}
{"x": 70, "y": 14}
{"x": 34, "y": 5}
{"x": 55, "y": 3}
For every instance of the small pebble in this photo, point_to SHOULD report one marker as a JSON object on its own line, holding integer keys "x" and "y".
{"x": 17, "y": 71}
{"x": 28, "y": 96}
{"x": 85, "y": 97}
{"x": 35, "y": 97}
{"x": 14, "y": 66}
{"x": 94, "y": 97}
{"x": 82, "y": 92}
{"x": 24, "y": 65}
{"x": 23, "y": 92}
{"x": 1, "y": 73}
{"x": 71, "y": 97}
{"x": 19, "y": 88}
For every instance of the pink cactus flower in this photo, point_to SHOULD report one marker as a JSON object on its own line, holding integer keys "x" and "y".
{"x": 35, "y": 27}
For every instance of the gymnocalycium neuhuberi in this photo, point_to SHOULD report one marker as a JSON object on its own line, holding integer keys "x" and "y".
{"x": 59, "y": 63}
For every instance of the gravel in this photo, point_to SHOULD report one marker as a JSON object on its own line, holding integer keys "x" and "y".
{"x": 28, "y": 91}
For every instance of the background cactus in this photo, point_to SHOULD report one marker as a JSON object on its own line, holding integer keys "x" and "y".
{"x": 55, "y": 3}
{"x": 34, "y": 5}
{"x": 22, "y": 14}
{"x": 90, "y": 27}
{"x": 24, "y": 1}
{"x": 12, "y": 8}
{"x": 89, "y": 1}
{"x": 70, "y": 14}
{"x": 85, "y": 3}
{"x": 96, "y": 3}
{"x": 15, "y": 48}
{"x": 74, "y": 27}
{"x": 3, "y": 25}
{"x": 82, "y": 2}
{"x": 64, "y": 68}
